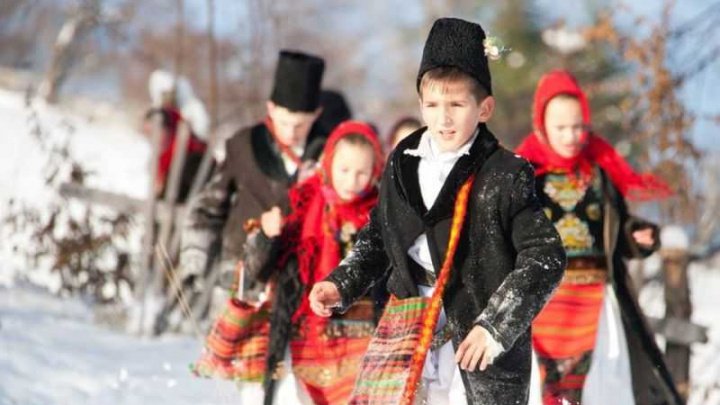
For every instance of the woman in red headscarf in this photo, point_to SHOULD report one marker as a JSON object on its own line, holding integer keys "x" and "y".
{"x": 591, "y": 340}
{"x": 327, "y": 211}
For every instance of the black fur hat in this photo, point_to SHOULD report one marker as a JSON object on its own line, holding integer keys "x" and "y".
{"x": 297, "y": 81}
{"x": 453, "y": 42}
{"x": 335, "y": 110}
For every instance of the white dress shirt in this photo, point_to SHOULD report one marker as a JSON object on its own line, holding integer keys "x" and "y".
{"x": 433, "y": 170}
{"x": 290, "y": 165}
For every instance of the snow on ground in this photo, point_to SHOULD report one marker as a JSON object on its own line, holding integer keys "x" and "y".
{"x": 115, "y": 155}
{"x": 705, "y": 361}
{"x": 52, "y": 354}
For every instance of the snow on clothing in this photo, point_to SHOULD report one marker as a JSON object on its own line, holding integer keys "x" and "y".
{"x": 434, "y": 167}
{"x": 251, "y": 180}
{"x": 508, "y": 262}
{"x": 584, "y": 197}
{"x": 325, "y": 353}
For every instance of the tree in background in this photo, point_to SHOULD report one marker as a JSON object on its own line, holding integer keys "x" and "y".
{"x": 70, "y": 49}
{"x": 16, "y": 40}
{"x": 536, "y": 48}
{"x": 515, "y": 76}
{"x": 660, "y": 127}
{"x": 658, "y": 123}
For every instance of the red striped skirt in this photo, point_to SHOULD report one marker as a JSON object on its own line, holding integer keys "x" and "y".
{"x": 564, "y": 334}
{"x": 326, "y": 354}
{"x": 386, "y": 365}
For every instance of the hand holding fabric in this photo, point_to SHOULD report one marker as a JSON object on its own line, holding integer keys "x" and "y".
{"x": 324, "y": 296}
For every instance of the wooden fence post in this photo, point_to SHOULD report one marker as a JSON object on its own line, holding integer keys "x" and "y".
{"x": 675, "y": 261}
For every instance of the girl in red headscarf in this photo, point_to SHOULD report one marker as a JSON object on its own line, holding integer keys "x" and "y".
{"x": 327, "y": 211}
{"x": 591, "y": 340}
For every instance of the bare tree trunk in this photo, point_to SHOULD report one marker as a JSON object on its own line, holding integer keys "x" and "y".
{"x": 213, "y": 96}
{"x": 180, "y": 38}
{"x": 710, "y": 215}
{"x": 66, "y": 48}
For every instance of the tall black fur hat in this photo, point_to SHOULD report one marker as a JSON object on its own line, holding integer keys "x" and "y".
{"x": 453, "y": 42}
{"x": 297, "y": 81}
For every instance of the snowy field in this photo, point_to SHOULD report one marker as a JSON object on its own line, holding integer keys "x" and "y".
{"x": 51, "y": 351}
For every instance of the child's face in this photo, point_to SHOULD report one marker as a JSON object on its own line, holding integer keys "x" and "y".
{"x": 291, "y": 128}
{"x": 451, "y": 113}
{"x": 564, "y": 126}
{"x": 352, "y": 168}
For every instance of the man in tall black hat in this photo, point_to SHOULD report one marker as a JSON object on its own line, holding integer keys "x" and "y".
{"x": 261, "y": 164}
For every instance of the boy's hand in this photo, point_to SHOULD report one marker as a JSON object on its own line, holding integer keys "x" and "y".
{"x": 644, "y": 237}
{"x": 271, "y": 222}
{"x": 324, "y": 296}
{"x": 474, "y": 349}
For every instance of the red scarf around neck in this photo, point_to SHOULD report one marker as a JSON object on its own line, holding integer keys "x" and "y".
{"x": 320, "y": 219}
{"x": 596, "y": 151}
{"x": 284, "y": 149}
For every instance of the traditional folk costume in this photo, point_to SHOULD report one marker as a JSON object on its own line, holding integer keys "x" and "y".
{"x": 255, "y": 176}
{"x": 324, "y": 354}
{"x": 464, "y": 242}
{"x": 591, "y": 340}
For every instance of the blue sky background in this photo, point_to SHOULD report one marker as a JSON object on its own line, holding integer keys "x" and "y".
{"x": 699, "y": 94}
{"x": 384, "y": 21}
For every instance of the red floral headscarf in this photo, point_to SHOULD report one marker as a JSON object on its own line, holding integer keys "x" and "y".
{"x": 319, "y": 219}
{"x": 596, "y": 151}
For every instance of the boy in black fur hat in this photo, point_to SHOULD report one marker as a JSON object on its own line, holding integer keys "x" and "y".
{"x": 507, "y": 259}
{"x": 261, "y": 163}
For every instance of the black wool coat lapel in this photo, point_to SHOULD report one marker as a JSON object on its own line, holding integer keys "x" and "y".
{"x": 438, "y": 218}
{"x": 267, "y": 154}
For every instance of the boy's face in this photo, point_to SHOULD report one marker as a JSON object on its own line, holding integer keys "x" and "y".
{"x": 352, "y": 168}
{"x": 564, "y": 126}
{"x": 451, "y": 113}
{"x": 291, "y": 127}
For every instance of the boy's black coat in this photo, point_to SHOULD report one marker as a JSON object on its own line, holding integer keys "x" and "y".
{"x": 251, "y": 180}
{"x": 508, "y": 263}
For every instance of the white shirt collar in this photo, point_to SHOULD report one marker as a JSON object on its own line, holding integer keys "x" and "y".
{"x": 290, "y": 165}
{"x": 428, "y": 149}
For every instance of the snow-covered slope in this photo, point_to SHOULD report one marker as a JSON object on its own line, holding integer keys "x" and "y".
{"x": 52, "y": 354}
